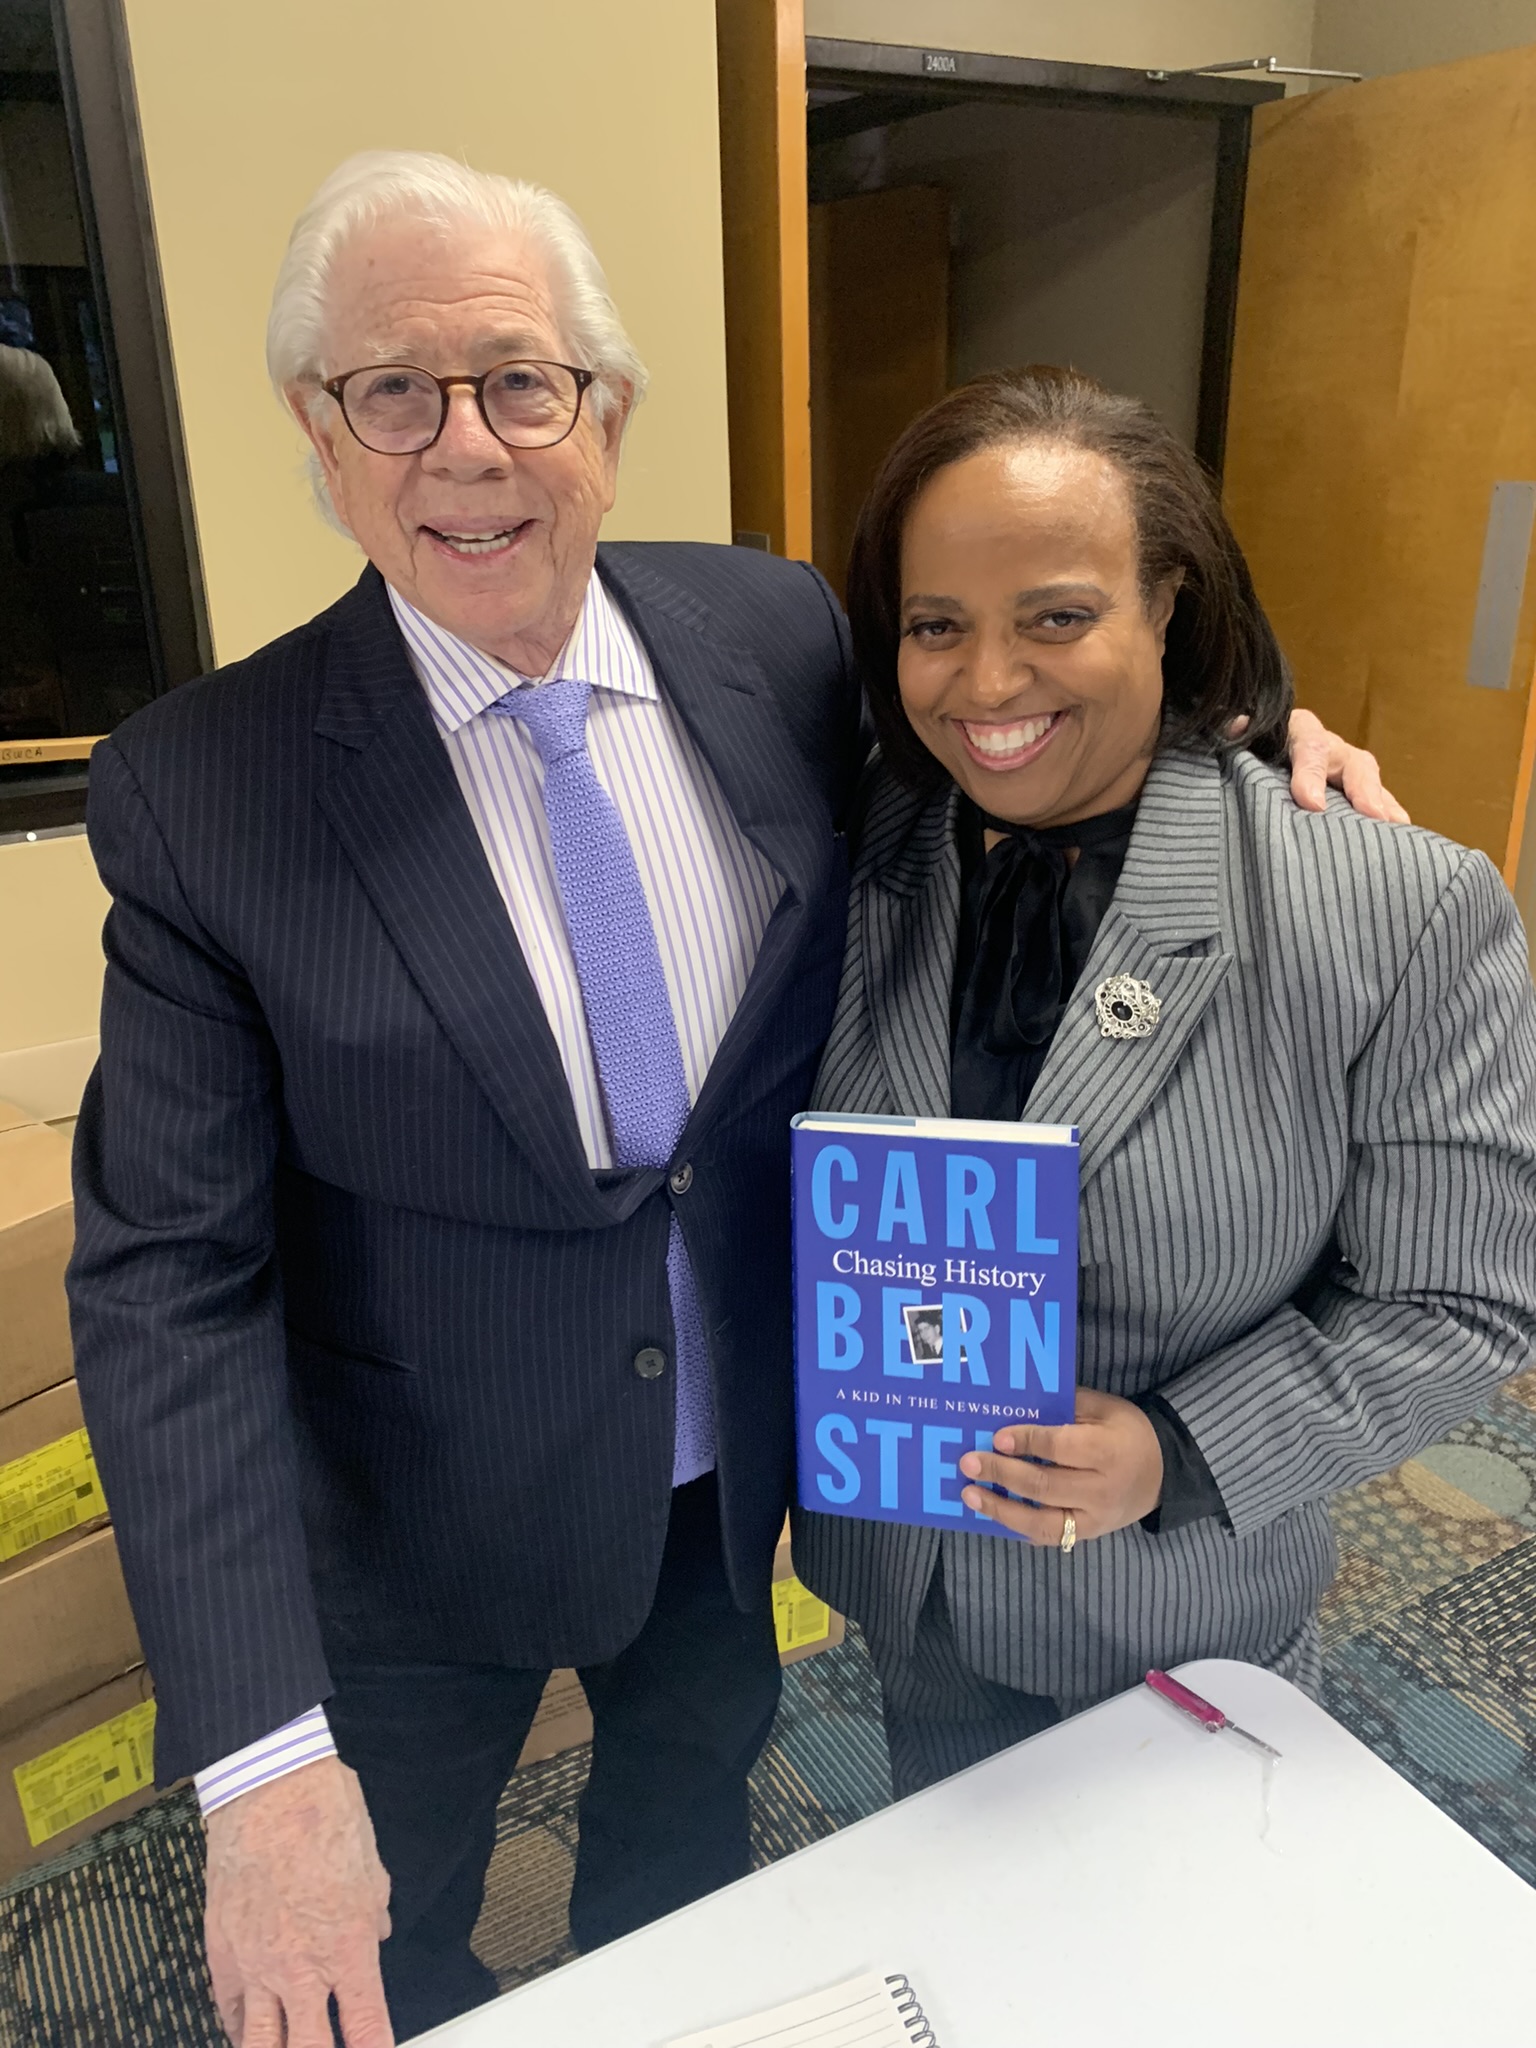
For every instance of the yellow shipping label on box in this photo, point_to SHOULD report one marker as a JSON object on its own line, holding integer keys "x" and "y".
{"x": 47, "y": 1493}
{"x": 798, "y": 1616}
{"x": 87, "y": 1774}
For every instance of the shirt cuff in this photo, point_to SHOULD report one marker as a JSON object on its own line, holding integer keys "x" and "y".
{"x": 301, "y": 1742}
{"x": 1189, "y": 1494}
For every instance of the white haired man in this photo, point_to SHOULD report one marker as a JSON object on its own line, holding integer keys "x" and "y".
{"x": 470, "y": 950}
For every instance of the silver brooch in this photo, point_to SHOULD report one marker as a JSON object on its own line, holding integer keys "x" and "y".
{"x": 1127, "y": 1007}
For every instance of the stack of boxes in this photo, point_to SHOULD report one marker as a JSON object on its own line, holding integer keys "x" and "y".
{"x": 76, "y": 1712}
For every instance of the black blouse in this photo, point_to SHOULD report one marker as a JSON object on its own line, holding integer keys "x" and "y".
{"x": 1028, "y": 918}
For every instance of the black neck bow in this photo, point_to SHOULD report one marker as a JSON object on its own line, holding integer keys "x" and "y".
{"x": 1037, "y": 914}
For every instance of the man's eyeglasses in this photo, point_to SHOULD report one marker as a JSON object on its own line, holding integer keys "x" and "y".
{"x": 398, "y": 409}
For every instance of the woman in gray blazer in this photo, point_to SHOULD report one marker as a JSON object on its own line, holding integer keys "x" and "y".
{"x": 1301, "y": 1049}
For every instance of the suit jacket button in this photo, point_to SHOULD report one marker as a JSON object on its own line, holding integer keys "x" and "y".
{"x": 681, "y": 1181}
{"x": 650, "y": 1363}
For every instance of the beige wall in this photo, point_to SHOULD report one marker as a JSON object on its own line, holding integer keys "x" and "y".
{"x": 49, "y": 894}
{"x": 51, "y": 907}
{"x": 1376, "y": 36}
{"x": 1163, "y": 33}
{"x": 245, "y": 109}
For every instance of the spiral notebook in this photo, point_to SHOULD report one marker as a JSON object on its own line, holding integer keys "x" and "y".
{"x": 864, "y": 2012}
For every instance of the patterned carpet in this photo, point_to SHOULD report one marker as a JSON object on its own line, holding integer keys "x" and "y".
{"x": 1431, "y": 1642}
{"x": 1430, "y": 1626}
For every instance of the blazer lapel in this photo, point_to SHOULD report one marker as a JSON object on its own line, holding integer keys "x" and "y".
{"x": 392, "y": 798}
{"x": 1164, "y": 928}
{"x": 723, "y": 697}
{"x": 910, "y": 917}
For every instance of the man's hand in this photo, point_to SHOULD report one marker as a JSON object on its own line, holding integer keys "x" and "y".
{"x": 297, "y": 1906}
{"x": 1320, "y": 758}
{"x": 1106, "y": 1468}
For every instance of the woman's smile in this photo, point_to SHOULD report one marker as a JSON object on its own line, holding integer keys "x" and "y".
{"x": 1002, "y": 746}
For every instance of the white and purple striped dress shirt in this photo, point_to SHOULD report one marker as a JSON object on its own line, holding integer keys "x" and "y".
{"x": 711, "y": 894}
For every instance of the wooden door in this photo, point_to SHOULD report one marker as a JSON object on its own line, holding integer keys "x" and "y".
{"x": 879, "y": 266}
{"x": 1381, "y": 464}
{"x": 761, "y": 55}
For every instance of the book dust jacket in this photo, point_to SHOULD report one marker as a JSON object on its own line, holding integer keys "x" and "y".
{"x": 935, "y": 1302}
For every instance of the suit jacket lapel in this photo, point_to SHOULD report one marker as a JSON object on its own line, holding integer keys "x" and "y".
{"x": 392, "y": 798}
{"x": 1164, "y": 928}
{"x": 722, "y": 695}
{"x": 910, "y": 907}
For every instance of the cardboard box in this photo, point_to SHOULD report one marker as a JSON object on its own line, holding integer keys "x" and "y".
{"x": 74, "y": 1771}
{"x": 804, "y": 1624}
{"x": 37, "y": 1228}
{"x": 66, "y": 1628}
{"x": 50, "y": 1490}
{"x": 563, "y": 1720}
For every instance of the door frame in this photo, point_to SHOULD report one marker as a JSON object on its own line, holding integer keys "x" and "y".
{"x": 101, "y": 109}
{"x": 760, "y": 60}
{"x": 947, "y": 77}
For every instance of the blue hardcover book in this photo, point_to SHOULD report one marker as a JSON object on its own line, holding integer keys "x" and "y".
{"x": 935, "y": 1301}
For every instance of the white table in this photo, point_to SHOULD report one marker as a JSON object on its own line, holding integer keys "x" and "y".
{"x": 1111, "y": 1881}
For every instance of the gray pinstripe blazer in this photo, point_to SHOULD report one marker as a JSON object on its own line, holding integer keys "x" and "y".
{"x": 1308, "y": 1208}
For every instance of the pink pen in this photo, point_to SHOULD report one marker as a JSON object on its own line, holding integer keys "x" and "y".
{"x": 1210, "y": 1718}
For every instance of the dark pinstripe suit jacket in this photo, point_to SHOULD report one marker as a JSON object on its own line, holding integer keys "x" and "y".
{"x": 1309, "y": 1198}
{"x": 355, "y": 1324}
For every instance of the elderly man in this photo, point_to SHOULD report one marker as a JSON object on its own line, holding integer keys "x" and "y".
{"x": 470, "y": 950}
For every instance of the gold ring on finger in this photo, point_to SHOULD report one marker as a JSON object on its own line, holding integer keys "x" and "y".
{"x": 1068, "y": 1532}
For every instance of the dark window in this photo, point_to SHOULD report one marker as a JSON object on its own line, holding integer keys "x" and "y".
{"x": 79, "y": 646}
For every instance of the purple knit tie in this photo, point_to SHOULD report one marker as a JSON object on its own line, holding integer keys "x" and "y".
{"x": 629, "y": 1014}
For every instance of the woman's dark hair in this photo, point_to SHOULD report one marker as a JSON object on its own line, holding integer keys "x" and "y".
{"x": 1221, "y": 659}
